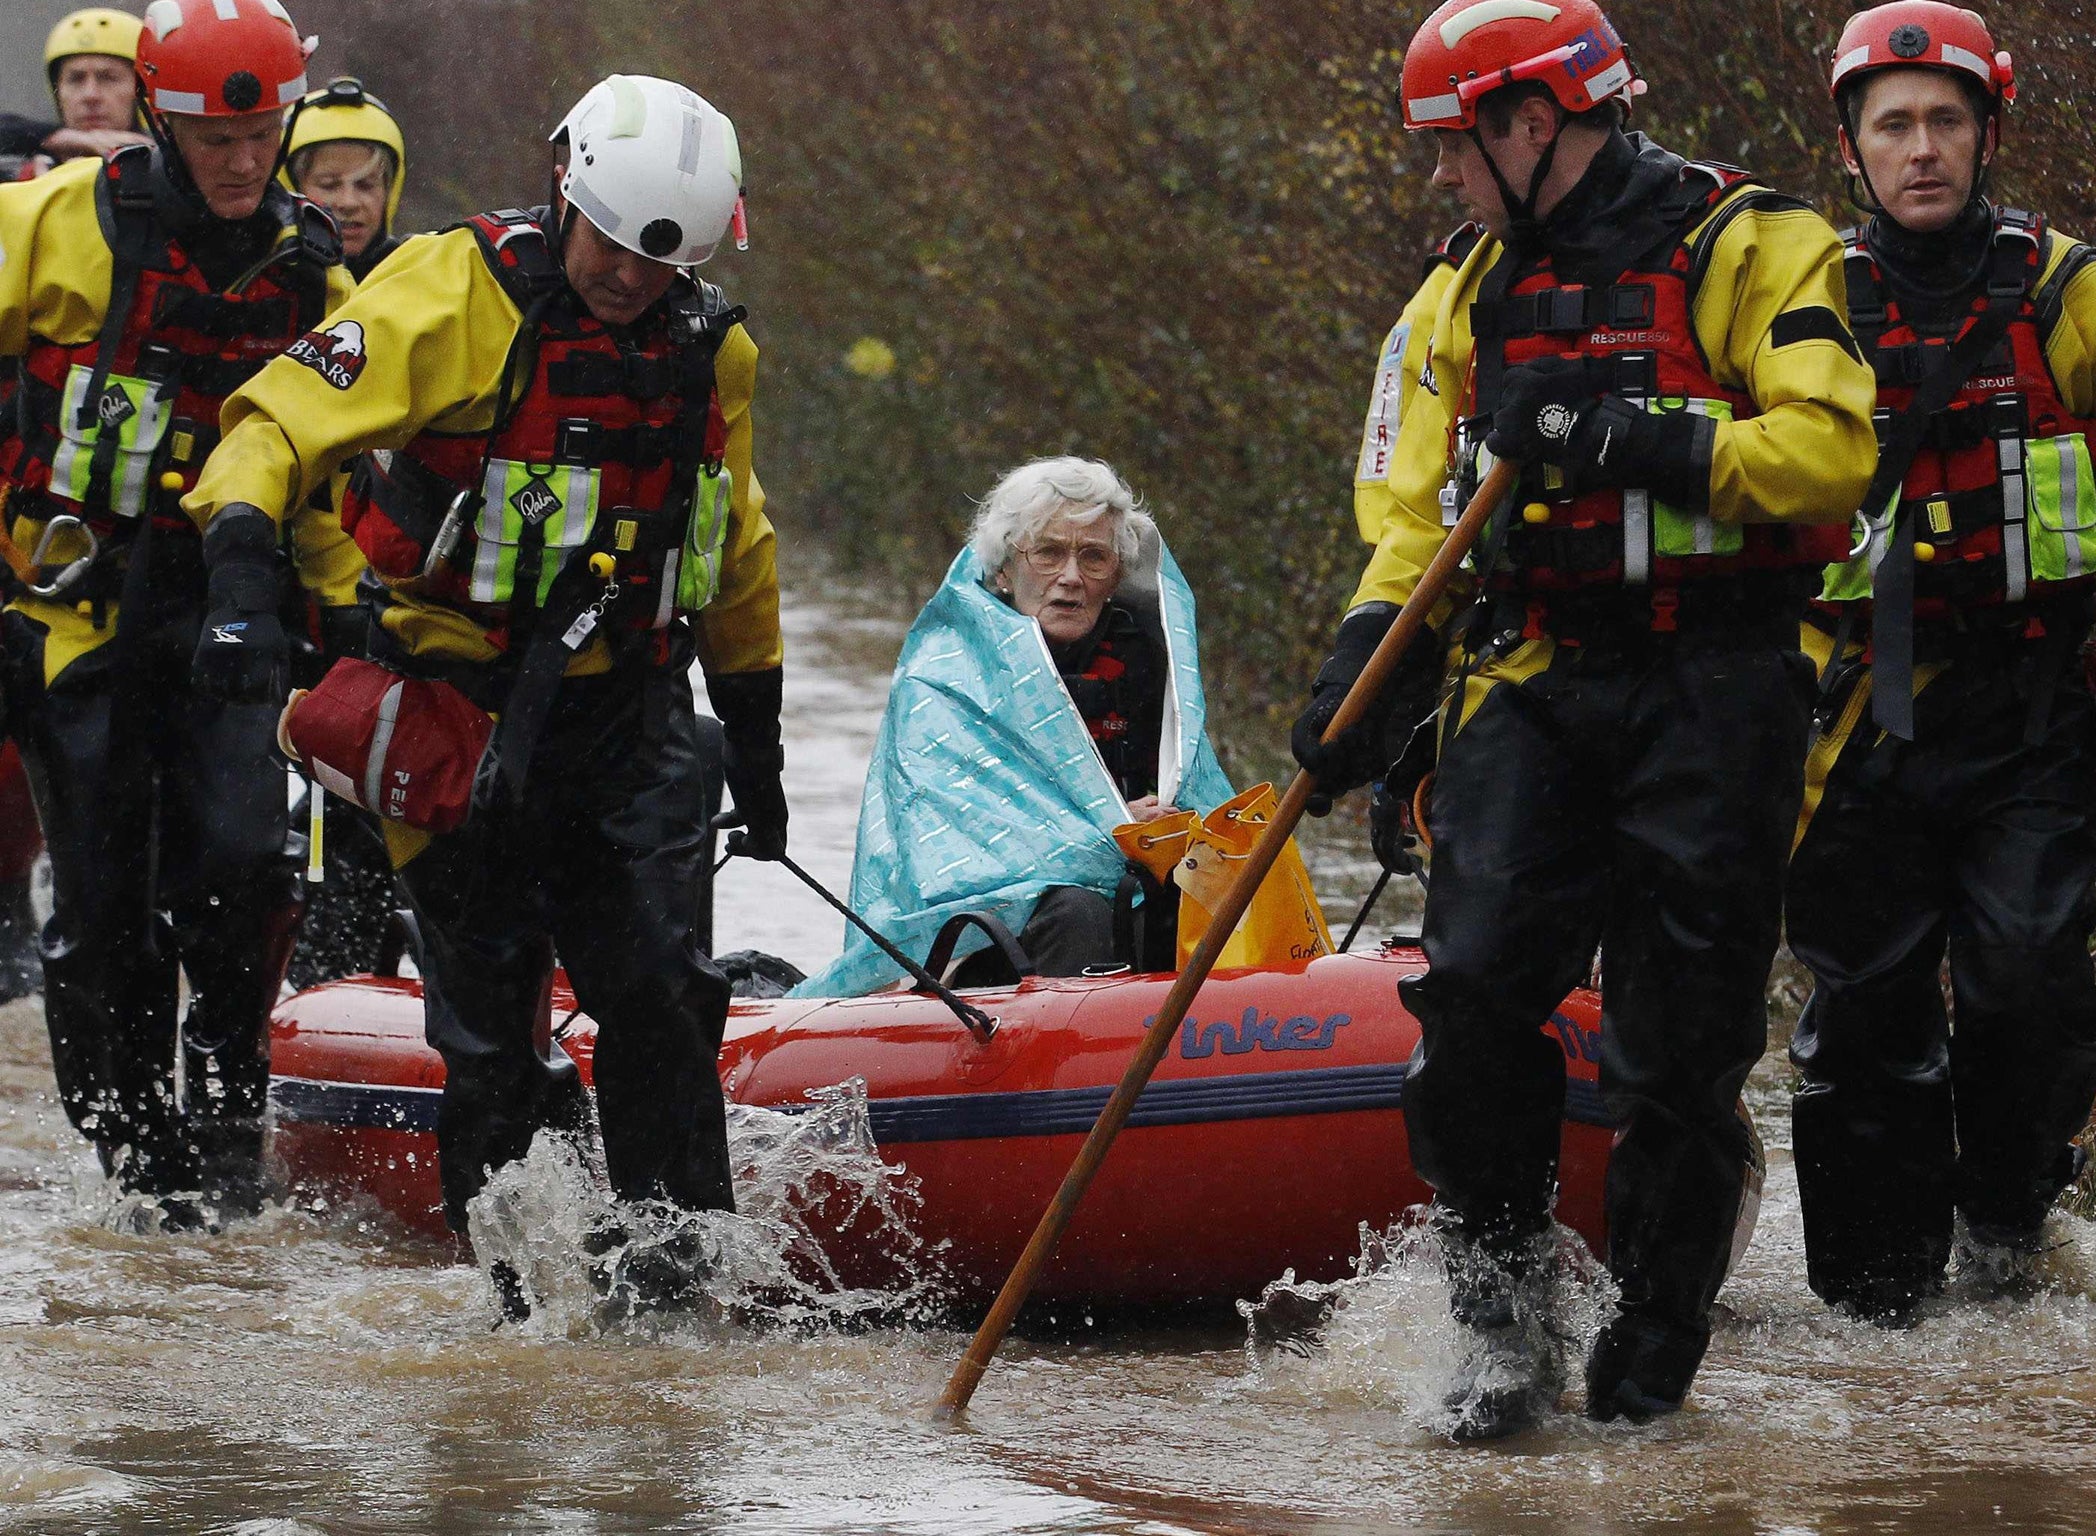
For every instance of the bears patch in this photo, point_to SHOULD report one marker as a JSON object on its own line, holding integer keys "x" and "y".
{"x": 336, "y": 353}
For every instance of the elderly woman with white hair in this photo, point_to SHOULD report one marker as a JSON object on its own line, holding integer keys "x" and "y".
{"x": 1049, "y": 692}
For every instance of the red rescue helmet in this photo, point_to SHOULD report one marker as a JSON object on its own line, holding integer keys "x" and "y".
{"x": 1469, "y": 48}
{"x": 1923, "y": 34}
{"x": 220, "y": 58}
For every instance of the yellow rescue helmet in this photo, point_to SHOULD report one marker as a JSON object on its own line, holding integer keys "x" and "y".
{"x": 343, "y": 112}
{"x": 97, "y": 30}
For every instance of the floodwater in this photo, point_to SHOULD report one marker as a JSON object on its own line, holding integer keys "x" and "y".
{"x": 314, "y": 1372}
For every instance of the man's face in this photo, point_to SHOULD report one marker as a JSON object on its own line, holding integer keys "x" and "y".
{"x": 96, "y": 91}
{"x": 231, "y": 159}
{"x": 350, "y": 180}
{"x": 1460, "y": 166}
{"x": 617, "y": 285}
{"x": 1920, "y": 146}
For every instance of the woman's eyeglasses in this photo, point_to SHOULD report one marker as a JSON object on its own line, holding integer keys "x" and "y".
{"x": 1092, "y": 559}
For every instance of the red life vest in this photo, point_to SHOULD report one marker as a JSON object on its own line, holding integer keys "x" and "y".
{"x": 613, "y": 445}
{"x": 108, "y": 420}
{"x": 1643, "y": 325}
{"x": 1999, "y": 491}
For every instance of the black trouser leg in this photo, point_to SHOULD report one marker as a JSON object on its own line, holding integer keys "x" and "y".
{"x": 2023, "y": 1054}
{"x": 1069, "y": 931}
{"x": 1968, "y": 835}
{"x": 486, "y": 960}
{"x": 111, "y": 980}
{"x": 1705, "y": 809}
{"x": 232, "y": 894}
{"x": 1512, "y": 918}
{"x": 1868, "y": 894}
{"x": 631, "y": 866}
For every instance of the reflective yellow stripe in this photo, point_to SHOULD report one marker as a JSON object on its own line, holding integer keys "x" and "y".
{"x": 2062, "y": 492}
{"x": 1677, "y": 534}
{"x": 141, "y": 420}
{"x": 698, "y": 571}
{"x": 560, "y": 499}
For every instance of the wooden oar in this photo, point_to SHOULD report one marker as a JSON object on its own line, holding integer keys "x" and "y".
{"x": 1410, "y": 621}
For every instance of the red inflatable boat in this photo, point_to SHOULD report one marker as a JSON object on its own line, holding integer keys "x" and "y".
{"x": 1270, "y": 1134}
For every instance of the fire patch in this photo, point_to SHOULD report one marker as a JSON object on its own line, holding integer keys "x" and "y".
{"x": 336, "y": 353}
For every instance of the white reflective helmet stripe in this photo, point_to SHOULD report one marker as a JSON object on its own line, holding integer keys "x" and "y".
{"x": 1485, "y": 12}
{"x": 1436, "y": 109}
{"x": 688, "y": 151}
{"x": 1609, "y": 81}
{"x": 1958, "y": 58}
{"x": 592, "y": 206}
{"x": 180, "y": 102}
{"x": 1855, "y": 58}
{"x": 290, "y": 91}
{"x": 163, "y": 16}
{"x": 226, "y": 10}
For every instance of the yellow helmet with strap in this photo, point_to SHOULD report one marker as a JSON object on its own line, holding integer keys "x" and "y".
{"x": 97, "y": 30}
{"x": 343, "y": 112}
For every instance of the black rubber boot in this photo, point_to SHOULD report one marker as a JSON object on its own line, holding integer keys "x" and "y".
{"x": 1509, "y": 1373}
{"x": 1641, "y": 1366}
{"x": 649, "y": 1274}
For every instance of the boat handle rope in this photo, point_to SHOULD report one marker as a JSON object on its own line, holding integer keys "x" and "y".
{"x": 979, "y": 1024}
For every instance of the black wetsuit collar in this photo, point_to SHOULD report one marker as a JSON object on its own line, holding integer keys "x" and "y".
{"x": 1934, "y": 275}
{"x": 223, "y": 249}
{"x": 1617, "y": 205}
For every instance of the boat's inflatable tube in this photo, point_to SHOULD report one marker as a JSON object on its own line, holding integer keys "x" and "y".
{"x": 1269, "y": 1135}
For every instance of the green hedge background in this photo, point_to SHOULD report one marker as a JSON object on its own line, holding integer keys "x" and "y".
{"x": 1166, "y": 233}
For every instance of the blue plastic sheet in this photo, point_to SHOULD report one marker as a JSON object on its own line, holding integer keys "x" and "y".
{"x": 985, "y": 788}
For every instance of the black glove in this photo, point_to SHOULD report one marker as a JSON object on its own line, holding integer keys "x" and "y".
{"x": 1556, "y": 411}
{"x": 242, "y": 654}
{"x": 748, "y": 705}
{"x": 1361, "y": 753}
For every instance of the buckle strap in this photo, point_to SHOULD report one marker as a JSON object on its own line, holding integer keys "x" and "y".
{"x": 1566, "y": 311}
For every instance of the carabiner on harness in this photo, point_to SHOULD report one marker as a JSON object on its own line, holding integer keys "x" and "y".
{"x": 449, "y": 532}
{"x": 72, "y": 571}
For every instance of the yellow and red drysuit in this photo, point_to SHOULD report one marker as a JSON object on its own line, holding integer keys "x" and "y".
{"x": 631, "y": 447}
{"x": 133, "y": 313}
{"x": 1624, "y": 762}
{"x": 1965, "y": 822}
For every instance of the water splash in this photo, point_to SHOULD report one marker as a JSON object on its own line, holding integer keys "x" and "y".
{"x": 824, "y": 1236}
{"x": 1383, "y": 1338}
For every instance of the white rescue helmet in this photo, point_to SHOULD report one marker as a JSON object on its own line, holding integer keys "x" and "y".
{"x": 655, "y": 167}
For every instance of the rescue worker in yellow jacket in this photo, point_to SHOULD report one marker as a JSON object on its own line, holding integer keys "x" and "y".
{"x": 135, "y": 296}
{"x": 345, "y": 151}
{"x": 1663, "y": 346}
{"x": 1954, "y": 778}
{"x": 557, "y": 501}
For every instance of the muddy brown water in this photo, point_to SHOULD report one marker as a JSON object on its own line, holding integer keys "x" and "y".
{"x": 314, "y": 1372}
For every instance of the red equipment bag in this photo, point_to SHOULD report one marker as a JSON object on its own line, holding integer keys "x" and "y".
{"x": 404, "y": 748}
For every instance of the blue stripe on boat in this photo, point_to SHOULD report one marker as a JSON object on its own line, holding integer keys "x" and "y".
{"x": 981, "y": 1116}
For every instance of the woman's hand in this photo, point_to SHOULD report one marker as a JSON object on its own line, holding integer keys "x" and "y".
{"x": 1149, "y": 808}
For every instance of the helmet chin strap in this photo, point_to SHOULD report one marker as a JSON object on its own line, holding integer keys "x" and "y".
{"x": 1524, "y": 226}
{"x": 174, "y": 169}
